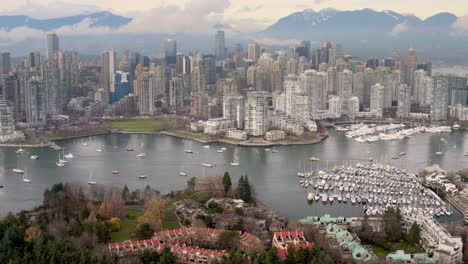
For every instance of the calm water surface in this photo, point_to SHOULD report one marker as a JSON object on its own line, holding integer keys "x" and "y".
{"x": 274, "y": 175}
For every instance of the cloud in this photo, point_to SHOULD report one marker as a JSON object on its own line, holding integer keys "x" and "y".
{"x": 195, "y": 17}
{"x": 461, "y": 25}
{"x": 398, "y": 29}
{"x": 247, "y": 9}
{"x": 51, "y": 10}
{"x": 276, "y": 42}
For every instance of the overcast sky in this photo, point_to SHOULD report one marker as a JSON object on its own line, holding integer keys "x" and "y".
{"x": 243, "y": 14}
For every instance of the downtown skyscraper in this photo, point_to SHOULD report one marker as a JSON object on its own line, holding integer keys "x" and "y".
{"x": 219, "y": 45}
{"x": 108, "y": 68}
{"x": 52, "y": 45}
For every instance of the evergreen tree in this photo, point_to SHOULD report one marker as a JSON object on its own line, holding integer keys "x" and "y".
{"x": 125, "y": 194}
{"x": 227, "y": 183}
{"x": 393, "y": 222}
{"x": 414, "y": 234}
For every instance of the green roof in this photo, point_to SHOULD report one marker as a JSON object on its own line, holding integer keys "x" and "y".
{"x": 400, "y": 255}
{"x": 347, "y": 240}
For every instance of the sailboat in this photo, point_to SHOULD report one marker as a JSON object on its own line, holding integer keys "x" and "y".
{"x": 84, "y": 144}
{"x": 439, "y": 152}
{"x": 183, "y": 173}
{"x": 20, "y": 150}
{"x": 274, "y": 150}
{"x": 60, "y": 162}
{"x": 129, "y": 147}
{"x": 99, "y": 149}
{"x": 69, "y": 156}
{"x": 91, "y": 181}
{"x": 25, "y": 178}
{"x": 17, "y": 169}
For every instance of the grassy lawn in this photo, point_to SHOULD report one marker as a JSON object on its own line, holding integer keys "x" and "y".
{"x": 142, "y": 125}
{"x": 409, "y": 248}
{"x": 129, "y": 225}
{"x": 187, "y": 134}
{"x": 380, "y": 251}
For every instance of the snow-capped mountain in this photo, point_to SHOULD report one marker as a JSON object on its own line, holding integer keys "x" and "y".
{"x": 104, "y": 19}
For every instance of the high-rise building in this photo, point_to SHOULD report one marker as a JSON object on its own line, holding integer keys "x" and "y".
{"x": 369, "y": 80}
{"x": 335, "y": 105}
{"x": 146, "y": 96}
{"x": 123, "y": 86}
{"x": 420, "y": 88}
{"x": 35, "y": 101}
{"x": 52, "y": 46}
{"x": 314, "y": 85}
{"x": 358, "y": 86}
{"x": 177, "y": 93}
{"x": 404, "y": 101}
{"x": 69, "y": 74}
{"x": 345, "y": 85}
{"x": 53, "y": 92}
{"x": 458, "y": 89}
{"x": 256, "y": 113}
{"x": 220, "y": 48}
{"x": 170, "y": 50}
{"x": 253, "y": 52}
{"x": 7, "y": 117}
{"x": 198, "y": 83}
{"x": 377, "y": 99}
{"x": 233, "y": 109}
{"x": 439, "y": 107}
{"x": 5, "y": 63}
{"x": 34, "y": 60}
{"x": 108, "y": 68}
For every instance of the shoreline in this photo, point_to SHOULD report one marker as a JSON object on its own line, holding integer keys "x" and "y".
{"x": 43, "y": 145}
{"x": 247, "y": 144}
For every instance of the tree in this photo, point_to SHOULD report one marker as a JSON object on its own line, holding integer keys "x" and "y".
{"x": 244, "y": 189}
{"x": 393, "y": 224}
{"x": 366, "y": 230}
{"x": 414, "y": 234}
{"x": 155, "y": 213}
{"x": 227, "y": 183}
{"x": 144, "y": 231}
{"x": 167, "y": 257}
{"x": 107, "y": 208}
{"x": 32, "y": 234}
{"x": 228, "y": 239}
{"x": 125, "y": 194}
{"x": 191, "y": 183}
{"x": 291, "y": 257}
{"x": 84, "y": 213}
{"x": 115, "y": 224}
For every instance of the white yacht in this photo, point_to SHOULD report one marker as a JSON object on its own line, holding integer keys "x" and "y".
{"x": 84, "y": 144}
{"x": 25, "y": 178}
{"x": 20, "y": 150}
{"x": 206, "y": 147}
{"x": 91, "y": 181}
{"x": 314, "y": 159}
{"x": 234, "y": 164}
{"x": 267, "y": 149}
{"x": 188, "y": 151}
{"x": 274, "y": 150}
{"x": 223, "y": 149}
{"x": 99, "y": 149}
{"x": 208, "y": 165}
{"x": 220, "y": 151}
{"x": 141, "y": 155}
{"x": 18, "y": 171}
{"x": 69, "y": 156}
{"x": 456, "y": 126}
{"x": 115, "y": 172}
{"x": 143, "y": 176}
{"x": 439, "y": 153}
{"x": 34, "y": 157}
{"x": 182, "y": 174}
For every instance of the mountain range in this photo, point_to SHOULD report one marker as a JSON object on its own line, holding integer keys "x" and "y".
{"x": 364, "y": 32}
{"x": 365, "y": 20}
{"x": 98, "y": 19}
